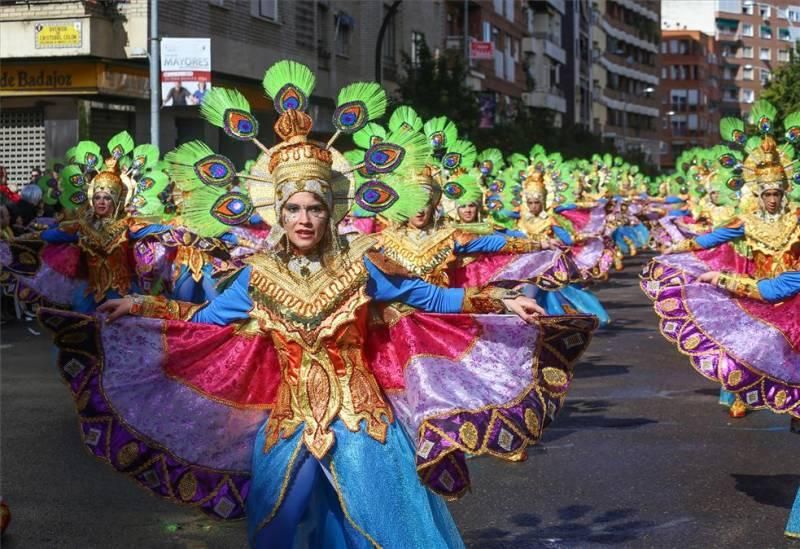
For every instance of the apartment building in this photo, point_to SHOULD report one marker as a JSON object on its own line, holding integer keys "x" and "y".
{"x": 625, "y": 98}
{"x": 502, "y": 80}
{"x": 79, "y": 69}
{"x": 691, "y": 99}
{"x": 754, "y": 38}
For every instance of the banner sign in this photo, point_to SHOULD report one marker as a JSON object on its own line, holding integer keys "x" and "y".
{"x": 185, "y": 70}
{"x": 481, "y": 50}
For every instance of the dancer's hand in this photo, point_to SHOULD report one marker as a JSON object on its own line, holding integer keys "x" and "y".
{"x": 711, "y": 277}
{"x": 525, "y": 308}
{"x": 116, "y": 308}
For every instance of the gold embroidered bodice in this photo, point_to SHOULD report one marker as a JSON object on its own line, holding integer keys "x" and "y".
{"x": 425, "y": 253}
{"x": 774, "y": 243}
{"x": 717, "y": 216}
{"x": 316, "y": 315}
{"x": 104, "y": 244}
{"x": 537, "y": 226}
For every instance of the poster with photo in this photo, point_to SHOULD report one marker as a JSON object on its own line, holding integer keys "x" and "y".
{"x": 185, "y": 71}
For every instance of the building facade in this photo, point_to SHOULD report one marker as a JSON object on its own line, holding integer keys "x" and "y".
{"x": 625, "y": 88}
{"x": 754, "y": 38}
{"x": 79, "y": 70}
{"x": 691, "y": 99}
{"x": 500, "y": 80}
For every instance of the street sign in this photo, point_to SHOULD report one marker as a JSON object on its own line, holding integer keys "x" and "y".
{"x": 58, "y": 34}
{"x": 481, "y": 50}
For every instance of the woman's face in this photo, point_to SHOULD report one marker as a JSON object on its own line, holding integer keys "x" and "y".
{"x": 304, "y": 217}
{"x": 534, "y": 205}
{"x": 468, "y": 213}
{"x": 102, "y": 203}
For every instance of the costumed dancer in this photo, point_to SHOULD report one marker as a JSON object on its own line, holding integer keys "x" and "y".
{"x": 271, "y": 399}
{"x": 539, "y": 224}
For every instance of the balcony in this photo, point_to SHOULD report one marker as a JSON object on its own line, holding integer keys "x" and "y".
{"x": 545, "y": 44}
{"x": 545, "y": 99}
{"x": 558, "y": 5}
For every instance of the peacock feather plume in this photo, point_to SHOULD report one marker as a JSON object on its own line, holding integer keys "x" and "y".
{"x": 120, "y": 145}
{"x": 490, "y": 161}
{"x": 88, "y": 155}
{"x": 230, "y": 110}
{"x": 194, "y": 165}
{"x": 460, "y": 155}
{"x": 464, "y": 189}
{"x": 72, "y": 187}
{"x": 792, "y": 125}
{"x": 153, "y": 196}
{"x": 441, "y": 132}
{"x": 395, "y": 198}
{"x": 289, "y": 84}
{"x": 732, "y": 129}
{"x": 401, "y": 152}
{"x": 405, "y": 118}
{"x": 144, "y": 156}
{"x": 763, "y": 116}
{"x": 357, "y": 104}
{"x": 210, "y": 212}
{"x": 369, "y": 135}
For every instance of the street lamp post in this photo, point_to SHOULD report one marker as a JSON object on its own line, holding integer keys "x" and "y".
{"x": 155, "y": 77}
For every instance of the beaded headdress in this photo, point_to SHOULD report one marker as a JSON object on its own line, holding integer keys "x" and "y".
{"x": 767, "y": 165}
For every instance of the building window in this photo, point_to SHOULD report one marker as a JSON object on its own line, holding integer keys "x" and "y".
{"x": 509, "y": 10}
{"x": 729, "y": 94}
{"x": 765, "y": 76}
{"x": 417, "y": 39}
{"x": 747, "y": 52}
{"x": 763, "y": 10}
{"x": 748, "y": 96}
{"x": 765, "y": 32}
{"x": 673, "y": 46}
{"x": 747, "y": 8}
{"x": 693, "y": 97}
{"x": 794, "y": 15}
{"x": 389, "y": 40}
{"x": 783, "y": 56}
{"x": 486, "y": 31}
{"x": 765, "y": 54}
{"x": 747, "y": 30}
{"x": 344, "y": 34}
{"x": 747, "y": 72}
{"x": 785, "y": 34}
{"x": 664, "y": 73}
{"x": 268, "y": 9}
{"x": 728, "y": 73}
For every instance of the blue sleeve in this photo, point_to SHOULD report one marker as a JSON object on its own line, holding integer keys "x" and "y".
{"x": 412, "y": 291}
{"x": 231, "y": 305}
{"x": 57, "y": 236}
{"x": 148, "y": 229}
{"x": 565, "y": 207}
{"x": 512, "y": 233}
{"x": 719, "y": 236}
{"x": 781, "y": 287}
{"x": 562, "y": 235}
{"x": 482, "y": 244}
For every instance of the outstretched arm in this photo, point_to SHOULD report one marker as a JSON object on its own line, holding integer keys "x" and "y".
{"x": 772, "y": 290}
{"x": 434, "y": 299}
{"x": 232, "y": 305}
{"x": 710, "y": 240}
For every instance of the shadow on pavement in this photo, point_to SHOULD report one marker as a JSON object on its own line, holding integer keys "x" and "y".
{"x": 576, "y": 525}
{"x": 585, "y": 370}
{"x": 588, "y": 414}
{"x": 775, "y": 490}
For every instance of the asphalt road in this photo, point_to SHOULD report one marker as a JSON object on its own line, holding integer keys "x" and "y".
{"x": 641, "y": 456}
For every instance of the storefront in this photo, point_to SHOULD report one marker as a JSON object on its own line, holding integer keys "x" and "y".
{"x": 49, "y": 106}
